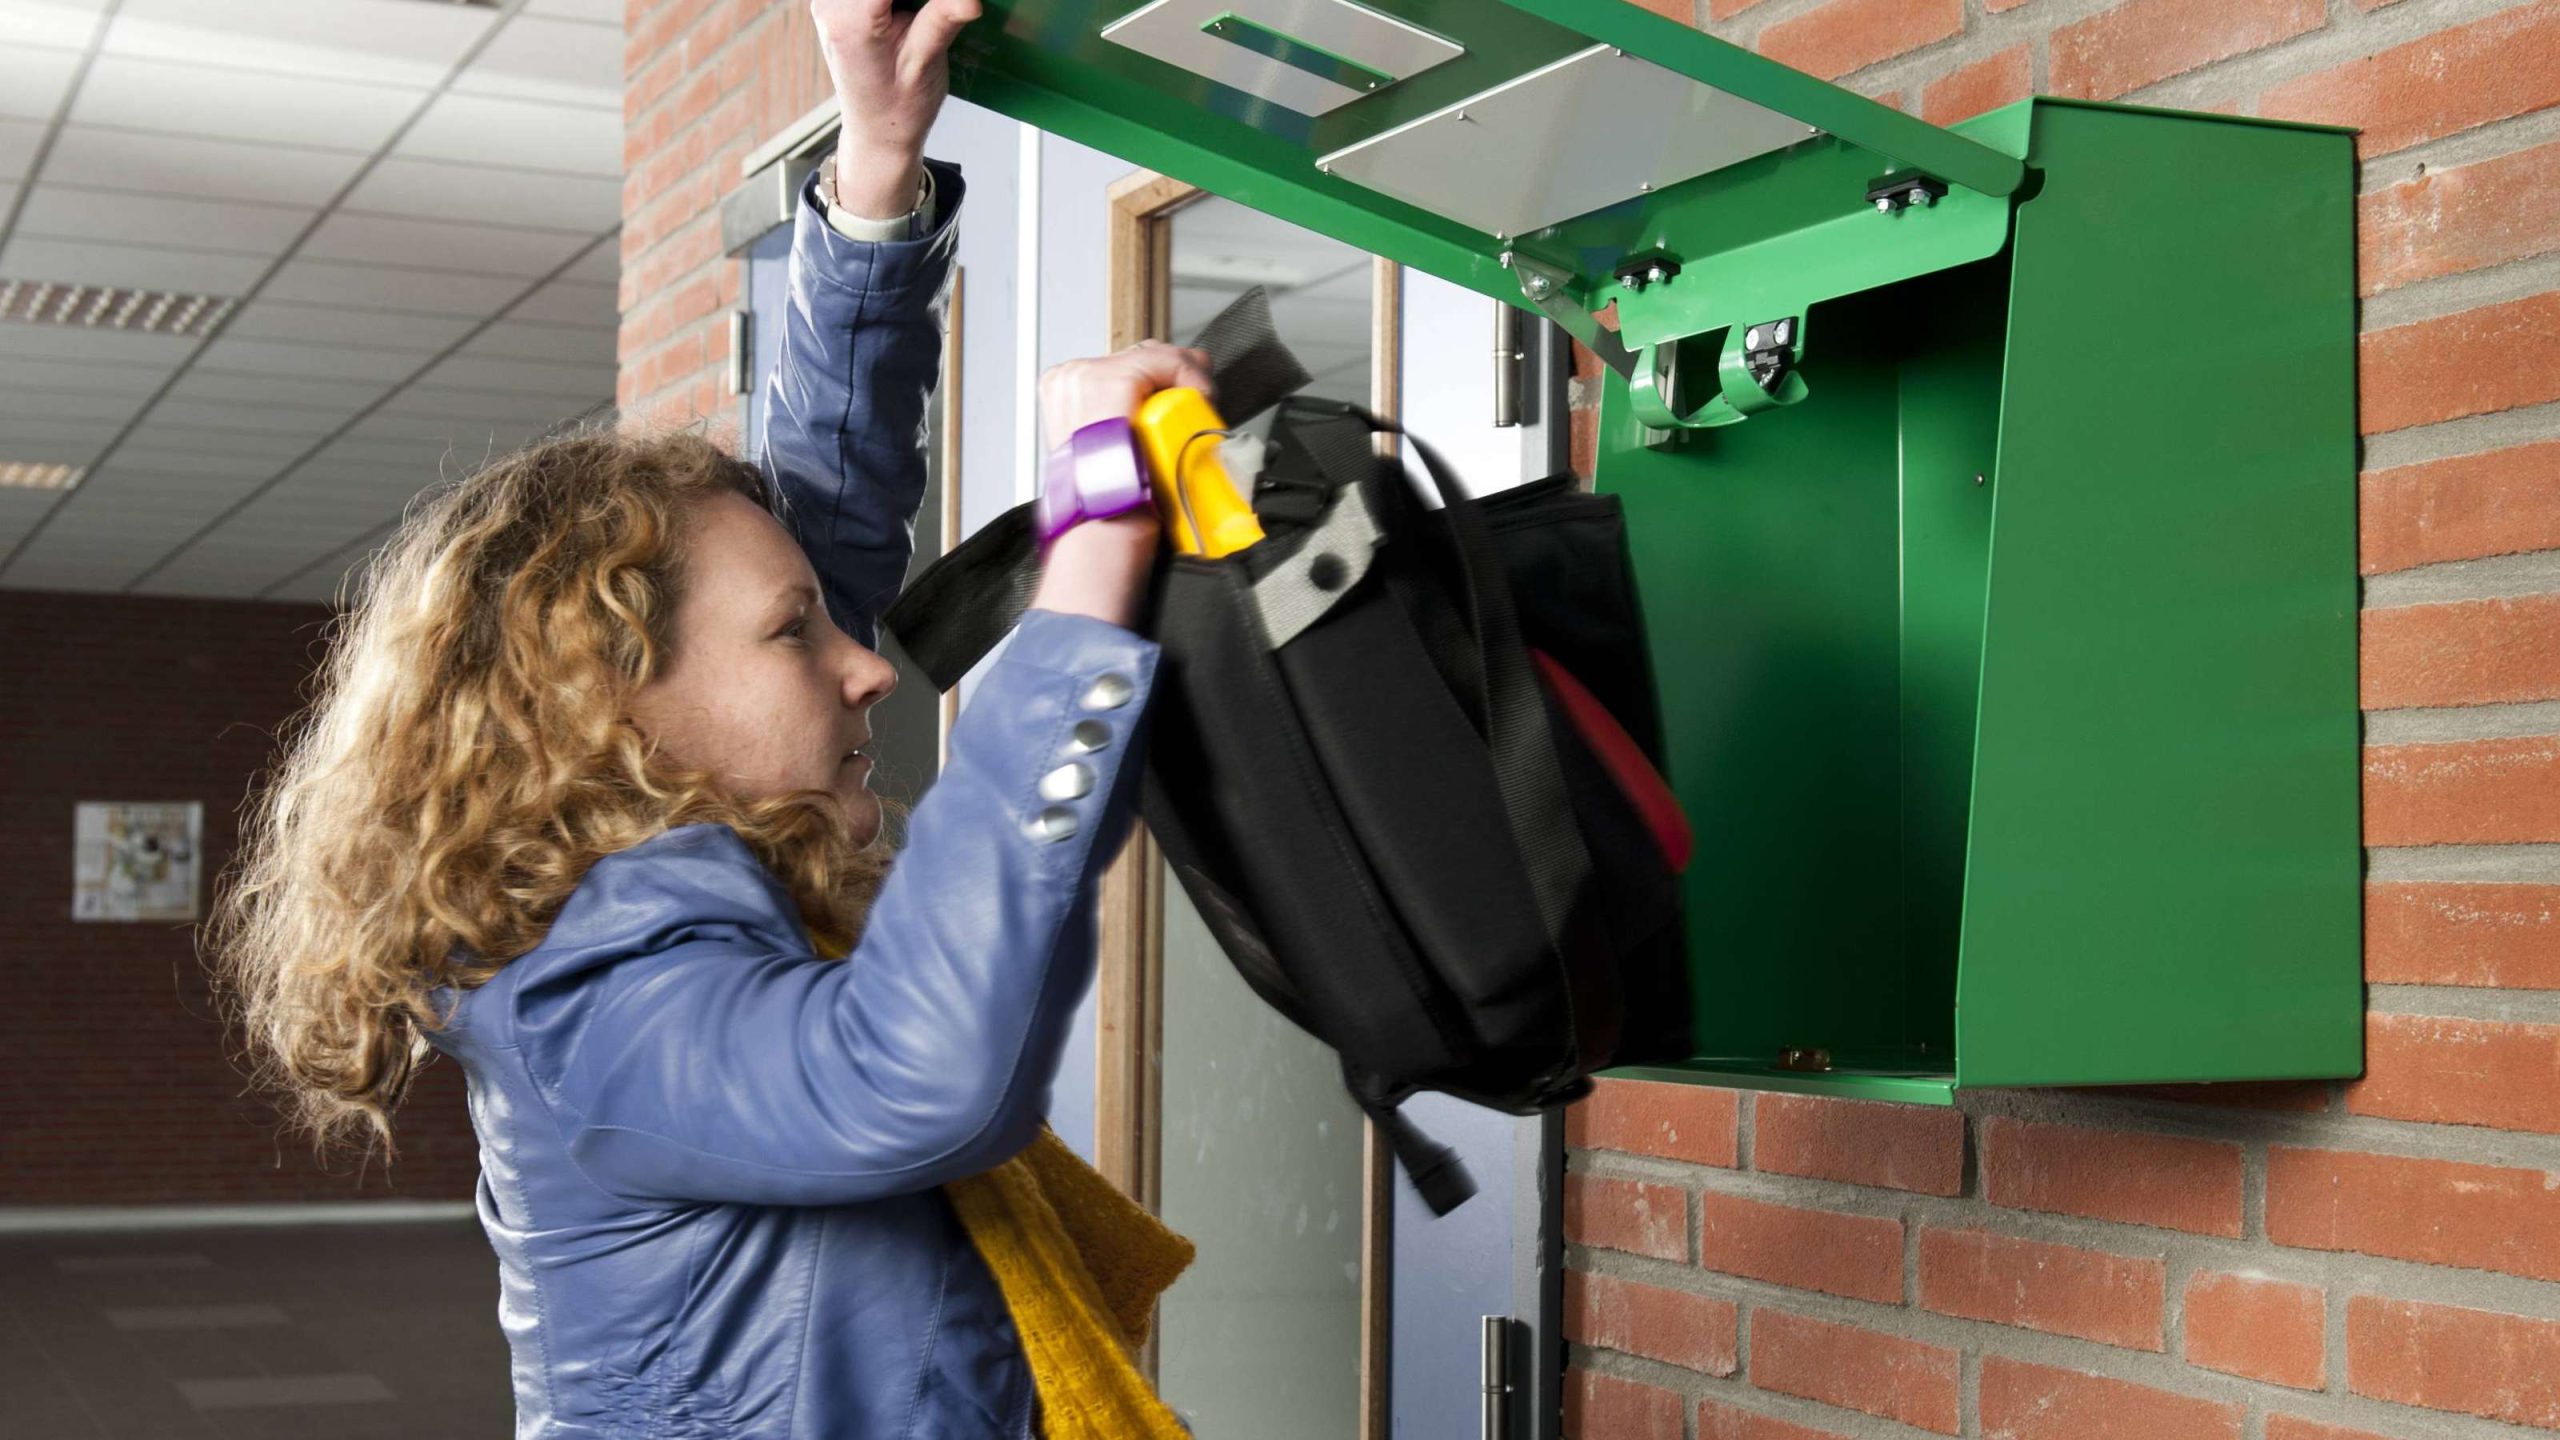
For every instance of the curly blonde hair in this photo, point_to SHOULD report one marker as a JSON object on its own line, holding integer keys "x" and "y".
{"x": 469, "y": 752}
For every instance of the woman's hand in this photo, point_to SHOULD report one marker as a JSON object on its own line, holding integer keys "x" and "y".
{"x": 1098, "y": 568}
{"x": 891, "y": 70}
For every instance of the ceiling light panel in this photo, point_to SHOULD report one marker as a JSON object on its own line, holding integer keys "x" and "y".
{"x": 101, "y": 307}
{"x": 39, "y": 475}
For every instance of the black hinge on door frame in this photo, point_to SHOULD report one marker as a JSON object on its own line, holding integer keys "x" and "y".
{"x": 742, "y": 360}
{"x": 1495, "y": 1372}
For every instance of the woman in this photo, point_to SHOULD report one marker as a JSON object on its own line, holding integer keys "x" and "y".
{"x": 584, "y": 806}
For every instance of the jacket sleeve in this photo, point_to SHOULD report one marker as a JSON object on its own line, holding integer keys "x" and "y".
{"x": 709, "y": 1060}
{"x": 844, "y": 411}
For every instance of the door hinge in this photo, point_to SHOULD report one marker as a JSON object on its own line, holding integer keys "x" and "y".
{"x": 1496, "y": 1373}
{"x": 741, "y": 353}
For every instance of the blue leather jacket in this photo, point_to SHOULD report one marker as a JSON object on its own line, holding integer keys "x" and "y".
{"x": 709, "y": 1159}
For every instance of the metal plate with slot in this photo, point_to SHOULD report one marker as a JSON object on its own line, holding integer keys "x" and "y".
{"x": 1584, "y": 133}
{"x": 1311, "y": 56}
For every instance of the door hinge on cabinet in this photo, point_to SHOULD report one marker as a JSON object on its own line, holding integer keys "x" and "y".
{"x": 1496, "y": 1374}
{"x": 741, "y": 353}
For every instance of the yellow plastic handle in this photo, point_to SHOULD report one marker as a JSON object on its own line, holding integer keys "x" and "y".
{"x": 1203, "y": 513}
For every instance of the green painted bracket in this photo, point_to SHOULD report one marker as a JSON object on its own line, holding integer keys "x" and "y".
{"x": 1653, "y": 389}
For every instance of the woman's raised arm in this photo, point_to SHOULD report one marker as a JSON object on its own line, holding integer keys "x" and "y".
{"x": 862, "y": 331}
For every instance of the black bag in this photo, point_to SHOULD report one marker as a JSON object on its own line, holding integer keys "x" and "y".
{"x": 1373, "y": 793}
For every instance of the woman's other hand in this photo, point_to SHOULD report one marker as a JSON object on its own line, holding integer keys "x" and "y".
{"x": 1099, "y": 567}
{"x": 891, "y": 69}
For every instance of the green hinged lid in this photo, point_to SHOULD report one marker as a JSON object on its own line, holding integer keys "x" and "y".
{"x": 1527, "y": 149}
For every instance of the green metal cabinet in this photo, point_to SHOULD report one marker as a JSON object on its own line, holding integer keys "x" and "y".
{"x": 1992, "y": 489}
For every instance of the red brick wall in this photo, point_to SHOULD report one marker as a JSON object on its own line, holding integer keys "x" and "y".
{"x": 705, "y": 82}
{"x": 115, "y": 1081}
{"x": 2293, "y": 1262}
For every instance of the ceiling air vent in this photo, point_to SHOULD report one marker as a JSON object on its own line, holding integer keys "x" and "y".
{"x": 103, "y": 307}
{"x": 39, "y": 475}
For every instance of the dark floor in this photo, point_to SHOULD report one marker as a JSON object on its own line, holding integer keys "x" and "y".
{"x": 331, "y": 1332}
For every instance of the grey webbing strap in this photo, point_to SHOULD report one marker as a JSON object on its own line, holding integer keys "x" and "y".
{"x": 1251, "y": 368}
{"x": 1334, "y": 558}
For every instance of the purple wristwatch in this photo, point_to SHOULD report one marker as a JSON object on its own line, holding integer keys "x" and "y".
{"x": 1097, "y": 474}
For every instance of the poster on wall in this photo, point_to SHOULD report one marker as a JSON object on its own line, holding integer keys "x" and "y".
{"x": 135, "y": 861}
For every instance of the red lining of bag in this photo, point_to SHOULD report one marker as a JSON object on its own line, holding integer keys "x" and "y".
{"x": 1625, "y": 760}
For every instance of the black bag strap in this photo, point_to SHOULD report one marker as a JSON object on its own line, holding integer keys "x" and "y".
{"x": 949, "y": 617}
{"x": 1438, "y": 1175}
{"x": 1514, "y": 722}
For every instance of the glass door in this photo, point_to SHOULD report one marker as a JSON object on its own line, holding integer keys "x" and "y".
{"x": 1261, "y": 1156}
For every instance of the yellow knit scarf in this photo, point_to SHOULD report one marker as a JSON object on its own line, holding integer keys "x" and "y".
{"x": 1081, "y": 1267}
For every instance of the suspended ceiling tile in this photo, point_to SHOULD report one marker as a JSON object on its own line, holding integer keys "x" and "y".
{"x": 271, "y": 448}
{"x": 308, "y": 362}
{"x": 442, "y": 190}
{"x": 518, "y": 132}
{"x": 18, "y": 142}
{"x": 34, "y": 570}
{"x": 60, "y": 24}
{"x": 379, "y": 42}
{"x": 210, "y": 578}
{"x": 218, "y": 388}
{"x": 181, "y": 461}
{"x": 71, "y": 212}
{"x": 196, "y": 166}
{"x": 131, "y": 267}
{"x": 20, "y": 406}
{"x": 516, "y": 340}
{"x": 591, "y": 383}
{"x": 32, "y": 81}
{"x": 440, "y": 245}
{"x": 323, "y": 584}
{"x": 265, "y": 319}
{"x": 484, "y": 407}
{"x": 94, "y": 343}
{"x": 599, "y": 12}
{"x": 564, "y": 302}
{"x": 238, "y": 105}
{"x": 81, "y": 375}
{"x": 266, "y": 417}
{"x": 561, "y": 61}
{"x": 20, "y": 509}
{"x": 67, "y": 441}
{"x": 462, "y": 434}
{"x": 381, "y": 287}
{"x": 600, "y": 266}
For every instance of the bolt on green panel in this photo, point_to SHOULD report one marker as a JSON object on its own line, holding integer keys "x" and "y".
{"x": 1992, "y": 490}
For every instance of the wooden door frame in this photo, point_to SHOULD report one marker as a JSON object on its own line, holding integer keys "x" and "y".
{"x": 1128, "y": 1101}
